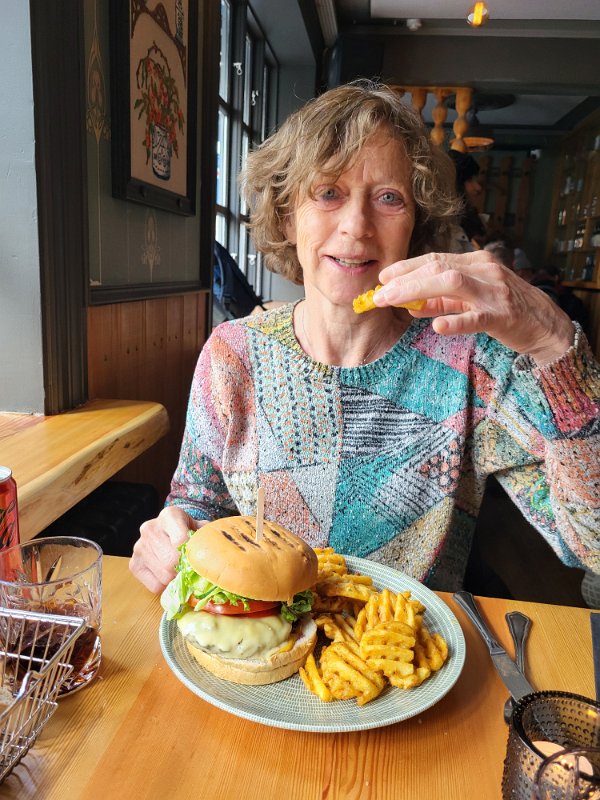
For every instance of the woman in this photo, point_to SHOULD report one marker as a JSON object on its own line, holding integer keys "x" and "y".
{"x": 375, "y": 432}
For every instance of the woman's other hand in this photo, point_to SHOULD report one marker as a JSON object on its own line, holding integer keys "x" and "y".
{"x": 472, "y": 293}
{"x": 155, "y": 553}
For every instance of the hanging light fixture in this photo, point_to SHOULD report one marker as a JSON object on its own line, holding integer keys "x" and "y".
{"x": 478, "y": 15}
{"x": 478, "y": 136}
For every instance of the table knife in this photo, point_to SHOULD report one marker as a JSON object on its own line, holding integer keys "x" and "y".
{"x": 512, "y": 677}
{"x": 595, "y": 622}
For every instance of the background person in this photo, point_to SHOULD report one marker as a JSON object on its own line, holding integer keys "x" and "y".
{"x": 522, "y": 265}
{"x": 514, "y": 258}
{"x": 374, "y": 433}
{"x": 502, "y": 251}
{"x": 470, "y": 233}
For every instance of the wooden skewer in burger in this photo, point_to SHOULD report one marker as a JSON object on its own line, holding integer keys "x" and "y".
{"x": 241, "y": 598}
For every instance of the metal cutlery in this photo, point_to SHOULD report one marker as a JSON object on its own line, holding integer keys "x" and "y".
{"x": 511, "y": 675}
{"x": 518, "y": 625}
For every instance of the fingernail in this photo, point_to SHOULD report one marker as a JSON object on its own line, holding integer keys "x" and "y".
{"x": 380, "y": 294}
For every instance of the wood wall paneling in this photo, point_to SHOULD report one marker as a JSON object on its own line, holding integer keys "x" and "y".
{"x": 147, "y": 350}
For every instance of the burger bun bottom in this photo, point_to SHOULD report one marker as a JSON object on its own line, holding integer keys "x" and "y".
{"x": 260, "y": 671}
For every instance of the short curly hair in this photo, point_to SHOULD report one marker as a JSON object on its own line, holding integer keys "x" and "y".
{"x": 323, "y": 137}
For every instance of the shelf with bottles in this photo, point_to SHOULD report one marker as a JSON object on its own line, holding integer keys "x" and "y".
{"x": 578, "y": 209}
{"x": 593, "y": 240}
{"x": 582, "y": 269}
{"x": 581, "y": 235}
{"x": 574, "y": 226}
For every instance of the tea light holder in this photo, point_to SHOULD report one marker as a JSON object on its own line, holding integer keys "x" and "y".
{"x": 540, "y": 722}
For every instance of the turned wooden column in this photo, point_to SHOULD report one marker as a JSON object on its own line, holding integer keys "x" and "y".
{"x": 419, "y": 98}
{"x": 463, "y": 104}
{"x": 463, "y": 94}
{"x": 439, "y": 114}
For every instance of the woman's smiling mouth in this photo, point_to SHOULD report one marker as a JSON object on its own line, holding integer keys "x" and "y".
{"x": 353, "y": 262}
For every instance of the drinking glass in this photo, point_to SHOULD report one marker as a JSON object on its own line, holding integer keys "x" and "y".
{"x": 569, "y": 774}
{"x": 58, "y": 575}
{"x": 542, "y": 721}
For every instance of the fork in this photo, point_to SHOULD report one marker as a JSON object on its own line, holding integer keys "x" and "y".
{"x": 518, "y": 625}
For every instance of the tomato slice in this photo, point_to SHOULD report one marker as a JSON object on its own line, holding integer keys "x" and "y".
{"x": 256, "y": 608}
{"x": 267, "y": 612}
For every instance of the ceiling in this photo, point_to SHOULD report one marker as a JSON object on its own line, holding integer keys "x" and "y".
{"x": 500, "y": 10}
{"x": 548, "y": 102}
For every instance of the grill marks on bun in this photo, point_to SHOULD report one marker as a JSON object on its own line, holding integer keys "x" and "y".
{"x": 276, "y": 567}
{"x": 242, "y": 530}
{"x": 239, "y": 544}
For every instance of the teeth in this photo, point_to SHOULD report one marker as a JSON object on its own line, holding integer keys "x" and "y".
{"x": 351, "y": 262}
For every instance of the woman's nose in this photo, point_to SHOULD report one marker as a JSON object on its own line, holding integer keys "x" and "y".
{"x": 355, "y": 218}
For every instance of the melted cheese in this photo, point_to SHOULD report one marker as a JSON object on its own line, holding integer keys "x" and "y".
{"x": 234, "y": 636}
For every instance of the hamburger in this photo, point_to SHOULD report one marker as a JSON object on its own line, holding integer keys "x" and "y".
{"x": 241, "y": 604}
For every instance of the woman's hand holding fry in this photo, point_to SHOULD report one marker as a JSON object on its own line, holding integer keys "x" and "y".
{"x": 472, "y": 293}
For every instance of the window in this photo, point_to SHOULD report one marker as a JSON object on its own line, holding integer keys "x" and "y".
{"x": 247, "y": 106}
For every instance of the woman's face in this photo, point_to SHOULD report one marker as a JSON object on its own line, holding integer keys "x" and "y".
{"x": 353, "y": 227}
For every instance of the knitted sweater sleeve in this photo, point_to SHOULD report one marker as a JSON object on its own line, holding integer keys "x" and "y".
{"x": 198, "y": 485}
{"x": 554, "y": 413}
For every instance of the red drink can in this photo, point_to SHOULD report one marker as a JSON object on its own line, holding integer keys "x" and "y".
{"x": 9, "y": 515}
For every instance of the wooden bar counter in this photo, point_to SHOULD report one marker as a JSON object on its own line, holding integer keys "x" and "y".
{"x": 138, "y": 732}
{"x": 58, "y": 460}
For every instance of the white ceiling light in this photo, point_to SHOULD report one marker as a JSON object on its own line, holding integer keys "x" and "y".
{"x": 328, "y": 21}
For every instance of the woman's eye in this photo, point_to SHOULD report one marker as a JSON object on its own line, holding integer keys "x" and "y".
{"x": 391, "y": 198}
{"x": 326, "y": 193}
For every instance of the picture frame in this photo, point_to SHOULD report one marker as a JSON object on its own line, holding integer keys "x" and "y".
{"x": 154, "y": 50}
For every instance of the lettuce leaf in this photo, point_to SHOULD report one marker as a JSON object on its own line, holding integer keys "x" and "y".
{"x": 301, "y": 603}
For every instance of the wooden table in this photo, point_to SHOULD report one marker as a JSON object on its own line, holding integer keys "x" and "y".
{"x": 138, "y": 732}
{"x": 58, "y": 460}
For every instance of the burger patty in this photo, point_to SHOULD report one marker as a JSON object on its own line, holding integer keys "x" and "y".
{"x": 234, "y": 636}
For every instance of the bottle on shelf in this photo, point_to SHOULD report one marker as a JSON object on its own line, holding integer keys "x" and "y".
{"x": 588, "y": 269}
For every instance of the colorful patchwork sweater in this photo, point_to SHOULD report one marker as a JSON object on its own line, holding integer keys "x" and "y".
{"x": 389, "y": 460}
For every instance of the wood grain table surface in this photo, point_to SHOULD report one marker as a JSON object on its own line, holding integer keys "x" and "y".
{"x": 138, "y": 732}
{"x": 58, "y": 460}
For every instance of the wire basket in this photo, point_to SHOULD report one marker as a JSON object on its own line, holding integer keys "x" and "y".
{"x": 35, "y": 649}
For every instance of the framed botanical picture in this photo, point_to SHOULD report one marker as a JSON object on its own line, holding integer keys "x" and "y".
{"x": 153, "y": 100}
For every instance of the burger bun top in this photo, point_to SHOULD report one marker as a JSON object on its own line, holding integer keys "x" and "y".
{"x": 278, "y": 566}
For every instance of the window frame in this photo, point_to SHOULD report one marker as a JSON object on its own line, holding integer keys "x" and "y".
{"x": 250, "y": 109}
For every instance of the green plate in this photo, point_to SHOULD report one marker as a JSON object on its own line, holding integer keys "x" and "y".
{"x": 288, "y": 704}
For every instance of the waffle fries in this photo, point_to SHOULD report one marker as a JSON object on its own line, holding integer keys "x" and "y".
{"x": 364, "y": 302}
{"x": 376, "y": 637}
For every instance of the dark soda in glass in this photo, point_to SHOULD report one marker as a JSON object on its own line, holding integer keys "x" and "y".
{"x": 9, "y": 515}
